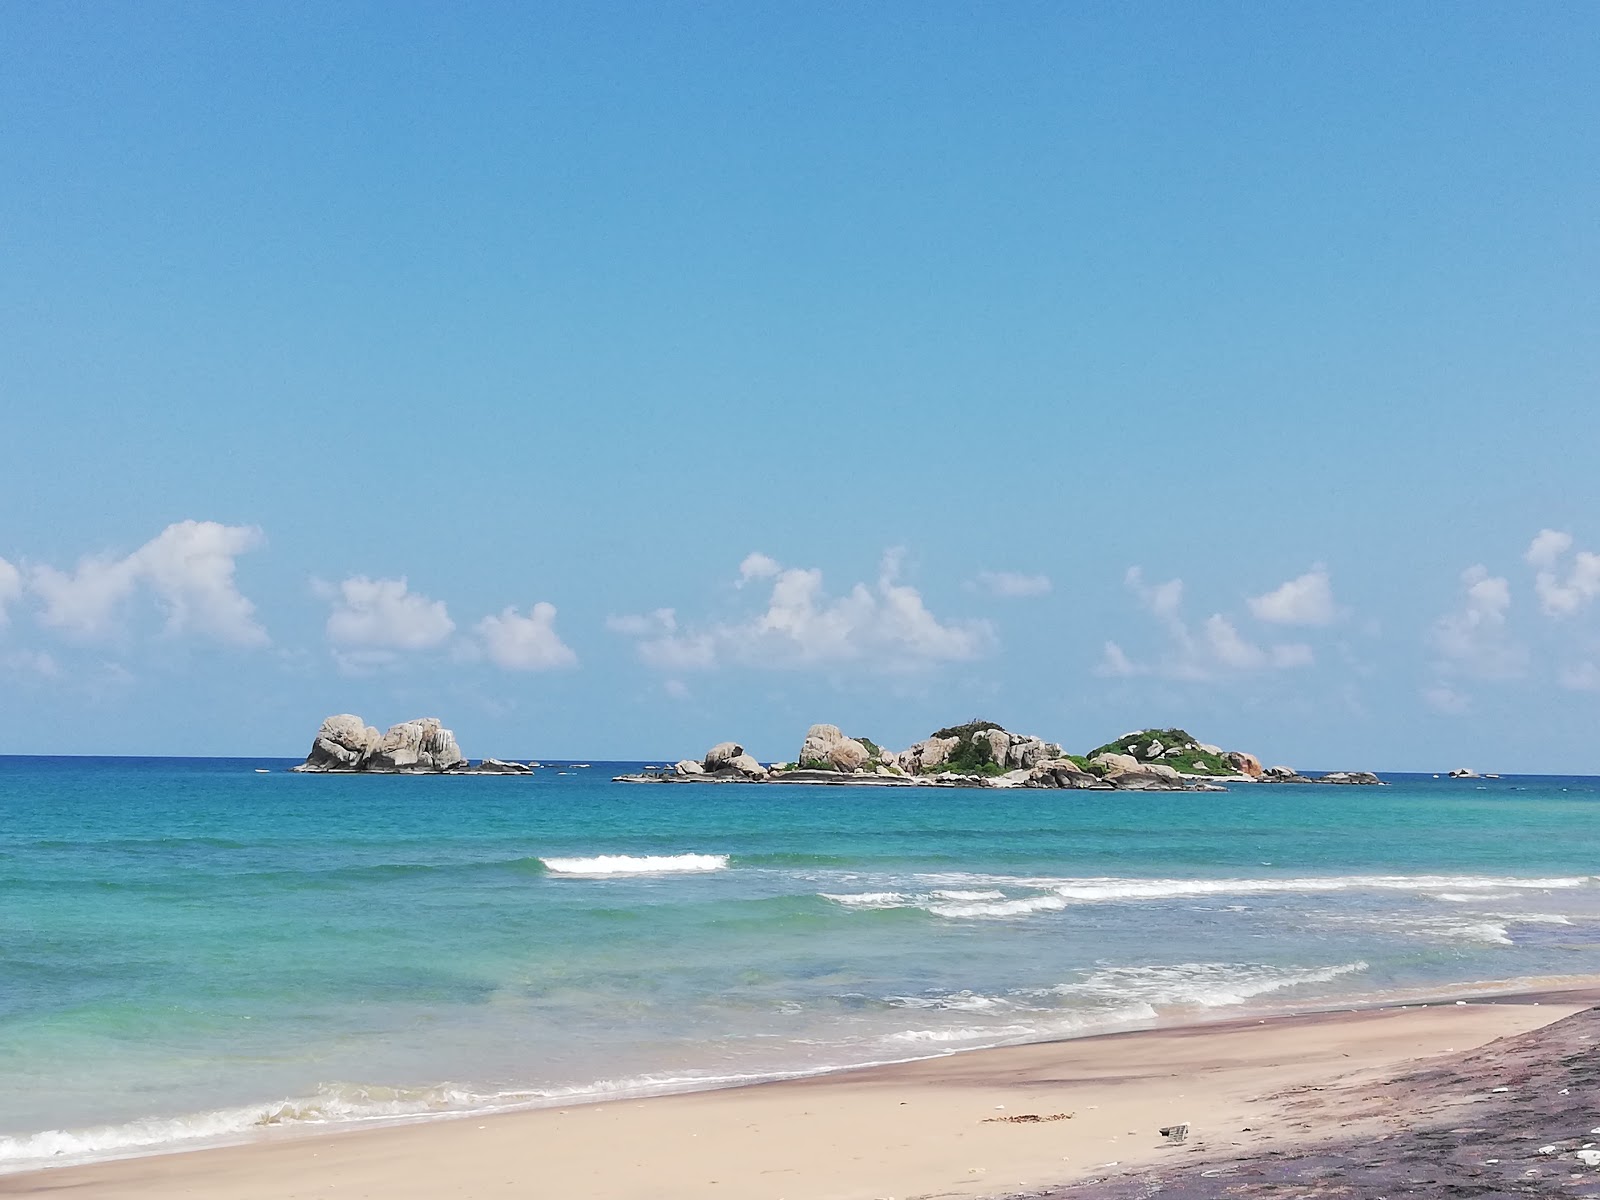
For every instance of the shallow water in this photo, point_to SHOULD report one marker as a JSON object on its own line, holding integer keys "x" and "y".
{"x": 191, "y": 949}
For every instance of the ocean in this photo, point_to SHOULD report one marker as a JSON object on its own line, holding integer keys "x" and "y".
{"x": 192, "y": 951}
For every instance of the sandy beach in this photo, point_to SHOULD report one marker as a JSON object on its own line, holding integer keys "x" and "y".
{"x": 1073, "y": 1118}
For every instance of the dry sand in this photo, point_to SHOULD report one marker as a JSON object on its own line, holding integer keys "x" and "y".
{"x": 1254, "y": 1092}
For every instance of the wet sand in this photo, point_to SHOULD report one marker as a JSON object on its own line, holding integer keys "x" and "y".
{"x": 1363, "y": 1104}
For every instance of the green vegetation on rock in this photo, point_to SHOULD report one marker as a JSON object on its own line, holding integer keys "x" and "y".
{"x": 1175, "y": 748}
{"x": 971, "y": 754}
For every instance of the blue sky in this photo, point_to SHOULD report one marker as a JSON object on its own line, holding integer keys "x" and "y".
{"x": 614, "y": 380}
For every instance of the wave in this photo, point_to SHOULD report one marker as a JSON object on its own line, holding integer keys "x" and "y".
{"x": 963, "y": 1001}
{"x": 343, "y": 1105}
{"x": 628, "y": 864}
{"x": 928, "y": 901}
{"x": 1019, "y": 907}
{"x": 1199, "y": 985}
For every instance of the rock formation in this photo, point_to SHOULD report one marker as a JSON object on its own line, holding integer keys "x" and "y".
{"x": 983, "y": 754}
{"x": 826, "y": 748}
{"x": 496, "y": 766}
{"x": 720, "y": 755}
{"x": 1245, "y": 764}
{"x": 725, "y": 760}
{"x": 422, "y": 744}
{"x": 346, "y": 743}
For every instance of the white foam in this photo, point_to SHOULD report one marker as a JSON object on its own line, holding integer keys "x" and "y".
{"x": 966, "y": 1001}
{"x": 872, "y": 899}
{"x": 333, "y": 1105}
{"x": 1202, "y": 985}
{"x": 970, "y": 1033}
{"x": 1105, "y": 888}
{"x": 951, "y": 902}
{"x": 628, "y": 864}
{"x": 1019, "y": 907}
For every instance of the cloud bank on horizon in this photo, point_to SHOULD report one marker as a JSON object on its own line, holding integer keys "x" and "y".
{"x": 779, "y": 618}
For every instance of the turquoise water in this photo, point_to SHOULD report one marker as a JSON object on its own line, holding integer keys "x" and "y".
{"x": 192, "y": 950}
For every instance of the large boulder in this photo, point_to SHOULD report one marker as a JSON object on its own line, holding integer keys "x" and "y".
{"x": 826, "y": 746}
{"x": 1148, "y": 777}
{"x": 720, "y": 755}
{"x": 421, "y": 744}
{"x": 926, "y": 755}
{"x": 343, "y": 743}
{"x": 1116, "y": 764}
{"x": 1061, "y": 773}
{"x": 688, "y": 767}
{"x": 1245, "y": 764}
{"x": 819, "y": 743}
{"x": 747, "y": 766}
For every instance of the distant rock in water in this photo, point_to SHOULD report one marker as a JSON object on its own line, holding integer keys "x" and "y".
{"x": 496, "y": 766}
{"x": 421, "y": 746}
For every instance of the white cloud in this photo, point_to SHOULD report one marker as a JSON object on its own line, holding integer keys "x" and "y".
{"x": 1558, "y": 596}
{"x": 525, "y": 643}
{"x": 757, "y": 566}
{"x": 1547, "y": 546}
{"x": 10, "y": 587}
{"x": 188, "y": 566}
{"x": 1216, "y": 649}
{"x": 1306, "y": 600}
{"x": 383, "y": 615}
{"x": 676, "y": 689}
{"x": 1009, "y": 585}
{"x": 1474, "y": 639}
{"x": 1115, "y": 664}
{"x": 885, "y": 623}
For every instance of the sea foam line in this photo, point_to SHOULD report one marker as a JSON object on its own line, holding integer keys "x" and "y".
{"x": 1107, "y": 888}
{"x": 629, "y": 864}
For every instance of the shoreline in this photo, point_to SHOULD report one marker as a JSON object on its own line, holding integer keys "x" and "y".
{"x": 260, "y": 1164}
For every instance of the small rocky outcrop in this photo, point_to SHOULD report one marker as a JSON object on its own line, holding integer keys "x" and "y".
{"x": 1127, "y": 773}
{"x": 1064, "y": 773}
{"x": 346, "y": 743}
{"x": 1464, "y": 773}
{"x": 1290, "y": 775}
{"x": 497, "y": 766}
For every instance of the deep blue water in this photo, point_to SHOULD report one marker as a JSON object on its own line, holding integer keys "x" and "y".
{"x": 190, "y": 948}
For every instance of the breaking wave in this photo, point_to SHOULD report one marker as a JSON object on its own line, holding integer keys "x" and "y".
{"x": 628, "y": 864}
{"x": 1199, "y": 985}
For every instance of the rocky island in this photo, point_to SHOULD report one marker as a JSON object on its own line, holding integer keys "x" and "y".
{"x": 985, "y": 754}
{"x": 347, "y": 745}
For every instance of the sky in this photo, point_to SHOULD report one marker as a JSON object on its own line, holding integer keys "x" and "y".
{"x": 614, "y": 380}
